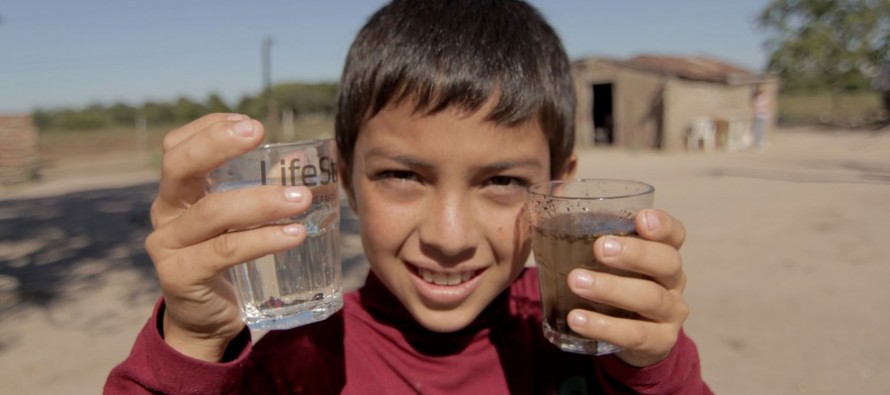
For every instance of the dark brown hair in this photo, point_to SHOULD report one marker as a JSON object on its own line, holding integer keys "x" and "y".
{"x": 459, "y": 53}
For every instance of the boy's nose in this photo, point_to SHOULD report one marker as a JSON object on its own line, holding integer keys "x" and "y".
{"x": 449, "y": 230}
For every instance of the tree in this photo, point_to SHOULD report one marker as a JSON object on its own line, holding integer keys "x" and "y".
{"x": 215, "y": 103}
{"x": 253, "y": 106}
{"x": 186, "y": 109}
{"x": 302, "y": 98}
{"x": 45, "y": 119}
{"x": 158, "y": 113}
{"x": 305, "y": 98}
{"x": 93, "y": 117}
{"x": 840, "y": 42}
{"x": 122, "y": 113}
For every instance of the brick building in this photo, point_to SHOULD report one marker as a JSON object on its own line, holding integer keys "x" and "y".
{"x": 656, "y": 102}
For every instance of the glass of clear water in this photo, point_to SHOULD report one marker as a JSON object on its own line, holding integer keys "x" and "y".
{"x": 304, "y": 284}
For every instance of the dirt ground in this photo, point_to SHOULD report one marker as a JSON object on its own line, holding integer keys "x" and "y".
{"x": 787, "y": 256}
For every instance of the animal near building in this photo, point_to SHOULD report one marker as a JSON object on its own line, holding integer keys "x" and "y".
{"x": 669, "y": 103}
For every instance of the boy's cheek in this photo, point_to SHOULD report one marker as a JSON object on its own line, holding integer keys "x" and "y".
{"x": 520, "y": 237}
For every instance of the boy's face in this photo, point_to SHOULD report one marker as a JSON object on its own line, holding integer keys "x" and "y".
{"x": 441, "y": 202}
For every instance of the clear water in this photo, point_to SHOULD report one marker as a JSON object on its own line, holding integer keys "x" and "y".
{"x": 298, "y": 286}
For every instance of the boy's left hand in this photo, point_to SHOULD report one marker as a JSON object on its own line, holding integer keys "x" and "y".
{"x": 657, "y": 297}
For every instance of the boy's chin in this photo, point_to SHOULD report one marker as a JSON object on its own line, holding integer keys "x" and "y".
{"x": 444, "y": 321}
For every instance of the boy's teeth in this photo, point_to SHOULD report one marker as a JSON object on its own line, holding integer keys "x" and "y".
{"x": 427, "y": 275}
{"x": 444, "y": 278}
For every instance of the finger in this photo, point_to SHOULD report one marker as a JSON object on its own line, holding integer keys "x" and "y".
{"x": 201, "y": 263}
{"x": 661, "y": 262}
{"x": 242, "y": 208}
{"x": 160, "y": 209}
{"x": 641, "y": 337}
{"x": 658, "y": 225}
{"x": 187, "y": 164}
{"x": 640, "y": 295}
{"x": 183, "y": 133}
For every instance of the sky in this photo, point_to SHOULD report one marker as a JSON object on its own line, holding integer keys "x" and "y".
{"x": 70, "y": 54}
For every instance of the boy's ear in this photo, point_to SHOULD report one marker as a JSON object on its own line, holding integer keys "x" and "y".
{"x": 346, "y": 184}
{"x": 569, "y": 169}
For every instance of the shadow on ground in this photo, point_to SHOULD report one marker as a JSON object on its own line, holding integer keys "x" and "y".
{"x": 55, "y": 247}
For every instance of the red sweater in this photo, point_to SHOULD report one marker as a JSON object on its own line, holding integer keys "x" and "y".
{"x": 373, "y": 346}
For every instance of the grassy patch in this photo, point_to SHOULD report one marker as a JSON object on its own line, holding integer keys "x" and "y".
{"x": 79, "y": 144}
{"x": 68, "y": 144}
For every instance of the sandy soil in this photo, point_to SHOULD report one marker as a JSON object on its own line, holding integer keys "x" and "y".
{"x": 787, "y": 255}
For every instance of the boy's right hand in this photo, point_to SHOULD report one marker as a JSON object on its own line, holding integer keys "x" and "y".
{"x": 197, "y": 236}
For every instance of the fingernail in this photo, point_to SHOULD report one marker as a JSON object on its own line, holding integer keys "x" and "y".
{"x": 611, "y": 246}
{"x": 293, "y": 194}
{"x": 578, "y": 319}
{"x": 292, "y": 229}
{"x": 236, "y": 117}
{"x": 244, "y": 128}
{"x": 652, "y": 222}
{"x": 583, "y": 280}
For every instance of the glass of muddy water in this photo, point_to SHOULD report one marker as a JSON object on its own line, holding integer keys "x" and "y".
{"x": 566, "y": 218}
{"x": 301, "y": 285}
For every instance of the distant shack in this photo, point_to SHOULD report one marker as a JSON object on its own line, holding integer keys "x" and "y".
{"x": 655, "y": 102}
{"x": 18, "y": 149}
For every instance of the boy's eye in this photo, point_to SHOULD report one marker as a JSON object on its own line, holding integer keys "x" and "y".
{"x": 505, "y": 181}
{"x": 397, "y": 175}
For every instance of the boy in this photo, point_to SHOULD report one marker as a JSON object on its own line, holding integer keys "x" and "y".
{"x": 447, "y": 111}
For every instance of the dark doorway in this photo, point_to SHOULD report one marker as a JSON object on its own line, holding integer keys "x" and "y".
{"x": 603, "y": 116}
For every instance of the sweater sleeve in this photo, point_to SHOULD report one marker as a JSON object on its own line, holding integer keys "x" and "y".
{"x": 679, "y": 373}
{"x": 155, "y": 367}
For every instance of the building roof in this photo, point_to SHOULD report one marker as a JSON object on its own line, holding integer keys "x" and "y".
{"x": 698, "y": 68}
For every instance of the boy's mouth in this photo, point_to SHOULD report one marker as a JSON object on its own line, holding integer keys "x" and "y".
{"x": 440, "y": 278}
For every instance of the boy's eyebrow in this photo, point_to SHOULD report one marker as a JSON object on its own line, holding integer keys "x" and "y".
{"x": 487, "y": 168}
{"x": 510, "y": 164}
